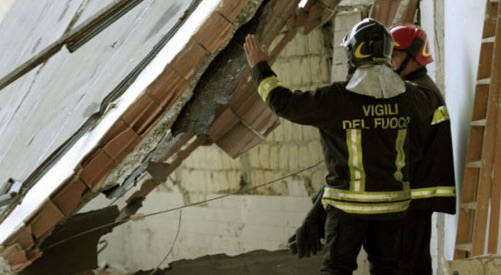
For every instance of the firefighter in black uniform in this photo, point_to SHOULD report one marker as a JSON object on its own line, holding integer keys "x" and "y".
{"x": 433, "y": 181}
{"x": 367, "y": 125}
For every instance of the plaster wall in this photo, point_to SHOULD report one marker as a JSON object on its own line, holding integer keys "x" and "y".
{"x": 5, "y": 7}
{"x": 463, "y": 32}
{"x": 432, "y": 21}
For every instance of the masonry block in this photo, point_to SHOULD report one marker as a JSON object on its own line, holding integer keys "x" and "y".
{"x": 21, "y": 237}
{"x": 44, "y": 220}
{"x": 285, "y": 8}
{"x": 15, "y": 256}
{"x": 70, "y": 195}
{"x": 142, "y": 114}
{"x": 263, "y": 157}
{"x": 118, "y": 127}
{"x": 230, "y": 9}
{"x": 187, "y": 61}
{"x": 256, "y": 115}
{"x": 225, "y": 122}
{"x": 315, "y": 42}
{"x": 167, "y": 87}
{"x": 275, "y": 157}
{"x": 122, "y": 144}
{"x": 220, "y": 180}
{"x": 294, "y": 158}
{"x": 95, "y": 168}
{"x": 346, "y": 20}
{"x": 214, "y": 41}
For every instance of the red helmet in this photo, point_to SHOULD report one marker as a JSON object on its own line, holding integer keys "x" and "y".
{"x": 412, "y": 39}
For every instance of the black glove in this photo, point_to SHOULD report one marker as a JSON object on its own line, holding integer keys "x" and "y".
{"x": 306, "y": 241}
{"x": 292, "y": 244}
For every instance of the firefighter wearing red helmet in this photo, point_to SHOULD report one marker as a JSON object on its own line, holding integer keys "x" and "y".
{"x": 413, "y": 39}
{"x": 433, "y": 181}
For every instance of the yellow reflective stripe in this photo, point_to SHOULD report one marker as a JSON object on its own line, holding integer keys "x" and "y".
{"x": 440, "y": 115}
{"x": 400, "y": 158}
{"x": 368, "y": 208}
{"x": 267, "y": 85}
{"x": 355, "y": 161}
{"x": 381, "y": 196}
{"x": 438, "y": 191}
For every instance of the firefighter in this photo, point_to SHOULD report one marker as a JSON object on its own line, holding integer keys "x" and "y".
{"x": 367, "y": 125}
{"x": 433, "y": 181}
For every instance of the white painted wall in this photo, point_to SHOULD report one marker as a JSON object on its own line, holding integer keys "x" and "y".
{"x": 231, "y": 225}
{"x": 463, "y": 31}
{"x": 4, "y": 8}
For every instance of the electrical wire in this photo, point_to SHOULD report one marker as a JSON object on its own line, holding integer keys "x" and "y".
{"x": 173, "y": 244}
{"x": 243, "y": 191}
{"x": 142, "y": 216}
{"x": 180, "y": 212}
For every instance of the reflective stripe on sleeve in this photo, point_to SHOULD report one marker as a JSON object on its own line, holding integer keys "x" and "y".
{"x": 267, "y": 85}
{"x": 440, "y": 115}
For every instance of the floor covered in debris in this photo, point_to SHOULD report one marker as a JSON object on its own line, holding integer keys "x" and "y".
{"x": 254, "y": 263}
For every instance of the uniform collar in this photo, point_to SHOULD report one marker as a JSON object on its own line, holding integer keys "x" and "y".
{"x": 416, "y": 74}
{"x": 378, "y": 81}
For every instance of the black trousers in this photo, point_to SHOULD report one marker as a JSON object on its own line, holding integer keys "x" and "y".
{"x": 346, "y": 235}
{"x": 416, "y": 237}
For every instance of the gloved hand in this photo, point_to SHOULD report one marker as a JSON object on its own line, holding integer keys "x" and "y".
{"x": 306, "y": 241}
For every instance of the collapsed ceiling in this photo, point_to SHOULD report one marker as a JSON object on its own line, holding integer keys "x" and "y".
{"x": 138, "y": 105}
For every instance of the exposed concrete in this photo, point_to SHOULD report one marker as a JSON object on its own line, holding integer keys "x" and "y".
{"x": 216, "y": 86}
{"x": 485, "y": 265}
{"x": 4, "y": 268}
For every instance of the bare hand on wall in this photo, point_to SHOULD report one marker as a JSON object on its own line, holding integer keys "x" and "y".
{"x": 254, "y": 51}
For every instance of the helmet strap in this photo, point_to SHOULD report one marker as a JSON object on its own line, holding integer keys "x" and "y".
{"x": 404, "y": 64}
{"x": 351, "y": 70}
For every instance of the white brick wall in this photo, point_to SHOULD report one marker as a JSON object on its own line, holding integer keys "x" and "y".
{"x": 230, "y": 225}
{"x": 343, "y": 22}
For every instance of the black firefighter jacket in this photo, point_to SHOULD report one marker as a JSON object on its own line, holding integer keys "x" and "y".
{"x": 366, "y": 141}
{"x": 433, "y": 180}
